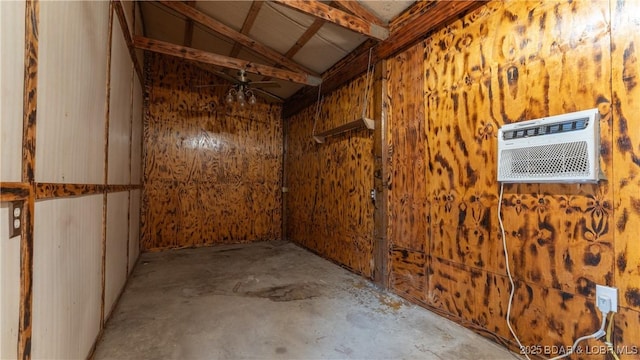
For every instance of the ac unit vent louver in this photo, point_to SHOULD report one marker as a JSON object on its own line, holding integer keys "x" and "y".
{"x": 562, "y": 148}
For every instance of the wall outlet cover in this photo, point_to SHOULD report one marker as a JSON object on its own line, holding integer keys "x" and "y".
{"x": 610, "y": 292}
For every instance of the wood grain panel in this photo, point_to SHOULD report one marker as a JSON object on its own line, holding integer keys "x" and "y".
{"x": 30, "y": 115}
{"x": 212, "y": 174}
{"x": 408, "y": 200}
{"x": 626, "y": 149}
{"x": 328, "y": 206}
{"x": 409, "y": 274}
{"x": 503, "y": 63}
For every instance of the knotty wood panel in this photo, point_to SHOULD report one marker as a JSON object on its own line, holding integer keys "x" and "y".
{"x": 503, "y": 63}
{"x": 328, "y": 206}
{"x": 212, "y": 174}
{"x": 626, "y": 149}
{"x": 408, "y": 198}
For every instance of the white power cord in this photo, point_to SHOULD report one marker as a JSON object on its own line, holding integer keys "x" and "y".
{"x": 604, "y": 307}
{"x": 506, "y": 259}
{"x": 596, "y": 335}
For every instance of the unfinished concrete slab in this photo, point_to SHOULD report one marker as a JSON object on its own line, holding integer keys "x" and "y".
{"x": 272, "y": 300}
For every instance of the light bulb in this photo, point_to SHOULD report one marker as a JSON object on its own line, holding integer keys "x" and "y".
{"x": 252, "y": 100}
{"x": 229, "y": 98}
{"x": 241, "y": 97}
{"x": 242, "y": 103}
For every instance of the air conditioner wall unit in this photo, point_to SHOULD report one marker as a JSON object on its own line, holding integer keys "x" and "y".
{"x": 557, "y": 149}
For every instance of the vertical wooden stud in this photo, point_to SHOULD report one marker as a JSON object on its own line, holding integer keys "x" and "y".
{"x": 32, "y": 17}
{"x": 381, "y": 245}
{"x": 106, "y": 165}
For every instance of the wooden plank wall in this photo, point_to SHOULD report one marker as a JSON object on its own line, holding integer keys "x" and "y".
{"x": 447, "y": 97}
{"x": 329, "y": 210}
{"x": 212, "y": 174}
{"x": 503, "y": 63}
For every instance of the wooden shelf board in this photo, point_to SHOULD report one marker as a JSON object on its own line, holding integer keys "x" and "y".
{"x": 359, "y": 123}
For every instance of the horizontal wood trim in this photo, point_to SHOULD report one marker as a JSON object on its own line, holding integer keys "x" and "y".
{"x": 184, "y": 52}
{"x": 117, "y": 6}
{"x": 14, "y": 191}
{"x": 54, "y": 190}
{"x": 355, "y": 64}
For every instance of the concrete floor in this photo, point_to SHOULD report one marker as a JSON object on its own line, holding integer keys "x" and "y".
{"x": 272, "y": 300}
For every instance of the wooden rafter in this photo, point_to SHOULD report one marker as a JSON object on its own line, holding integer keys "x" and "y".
{"x": 338, "y": 17}
{"x": 119, "y": 10}
{"x": 224, "y": 61}
{"x": 211, "y": 23}
{"x": 188, "y": 27}
{"x": 247, "y": 25}
{"x": 305, "y": 37}
{"x": 355, "y": 63}
{"x": 358, "y": 10}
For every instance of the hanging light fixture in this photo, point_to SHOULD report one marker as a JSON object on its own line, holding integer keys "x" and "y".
{"x": 242, "y": 95}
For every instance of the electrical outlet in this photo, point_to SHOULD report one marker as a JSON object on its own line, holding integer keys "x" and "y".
{"x": 15, "y": 218}
{"x": 611, "y": 293}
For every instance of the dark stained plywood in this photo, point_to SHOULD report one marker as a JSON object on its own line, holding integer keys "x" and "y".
{"x": 212, "y": 174}
{"x": 328, "y": 206}
{"x": 625, "y": 147}
{"x": 503, "y": 63}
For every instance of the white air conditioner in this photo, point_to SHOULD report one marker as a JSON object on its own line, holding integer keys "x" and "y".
{"x": 556, "y": 149}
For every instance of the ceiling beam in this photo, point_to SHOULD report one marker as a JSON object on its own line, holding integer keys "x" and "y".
{"x": 247, "y": 25}
{"x": 211, "y": 23}
{"x": 338, "y": 17}
{"x": 360, "y": 11}
{"x": 126, "y": 32}
{"x": 188, "y": 27}
{"x": 302, "y": 40}
{"x": 354, "y": 64}
{"x": 224, "y": 61}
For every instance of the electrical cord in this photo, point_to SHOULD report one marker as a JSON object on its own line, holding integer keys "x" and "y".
{"x": 506, "y": 259}
{"x": 608, "y": 338}
{"x": 604, "y": 309}
{"x": 596, "y": 335}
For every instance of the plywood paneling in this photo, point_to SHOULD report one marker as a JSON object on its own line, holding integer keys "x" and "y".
{"x": 328, "y": 206}
{"x": 120, "y": 108}
{"x": 116, "y": 250}
{"x": 67, "y": 277}
{"x": 626, "y": 149}
{"x": 504, "y": 63}
{"x": 408, "y": 199}
{"x": 9, "y": 288}
{"x": 71, "y": 92}
{"x": 12, "y": 74}
{"x": 211, "y": 174}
